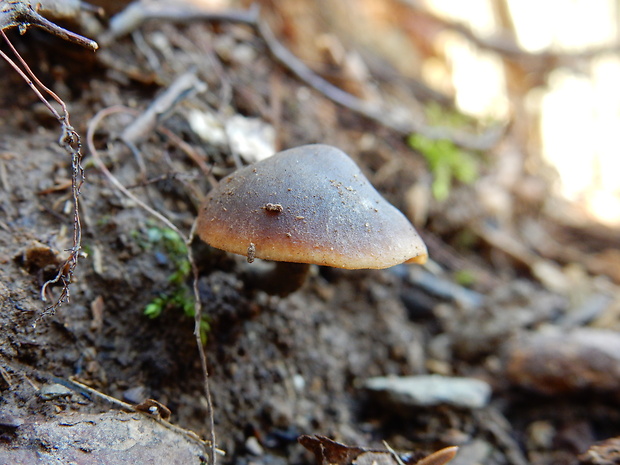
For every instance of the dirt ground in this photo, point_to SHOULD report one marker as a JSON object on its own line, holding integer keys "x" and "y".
{"x": 279, "y": 367}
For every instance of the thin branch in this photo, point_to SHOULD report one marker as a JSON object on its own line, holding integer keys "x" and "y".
{"x": 20, "y": 14}
{"x": 80, "y": 387}
{"x": 70, "y": 141}
{"x": 184, "y": 86}
{"x": 385, "y": 116}
{"x": 186, "y": 148}
{"x": 93, "y": 124}
{"x": 201, "y": 351}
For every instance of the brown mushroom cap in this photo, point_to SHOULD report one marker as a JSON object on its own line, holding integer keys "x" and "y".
{"x": 309, "y": 204}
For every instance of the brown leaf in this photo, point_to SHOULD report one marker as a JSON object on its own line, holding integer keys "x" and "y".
{"x": 154, "y": 408}
{"x": 328, "y": 452}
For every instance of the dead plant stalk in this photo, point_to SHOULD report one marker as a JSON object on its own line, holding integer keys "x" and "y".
{"x": 90, "y": 132}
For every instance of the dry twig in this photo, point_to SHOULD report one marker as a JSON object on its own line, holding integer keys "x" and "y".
{"x": 92, "y": 128}
{"x": 70, "y": 141}
{"x": 137, "y": 13}
{"x": 183, "y": 86}
{"x": 83, "y": 388}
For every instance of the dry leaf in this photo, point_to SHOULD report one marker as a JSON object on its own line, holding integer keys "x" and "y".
{"x": 328, "y": 452}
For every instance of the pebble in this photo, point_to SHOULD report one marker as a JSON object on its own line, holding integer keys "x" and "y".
{"x": 53, "y": 391}
{"x": 8, "y": 421}
{"x": 556, "y": 361}
{"x": 431, "y": 390}
{"x": 476, "y": 451}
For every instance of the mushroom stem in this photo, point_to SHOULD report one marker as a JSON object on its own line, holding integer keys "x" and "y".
{"x": 282, "y": 279}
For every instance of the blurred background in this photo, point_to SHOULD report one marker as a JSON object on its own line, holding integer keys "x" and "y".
{"x": 490, "y": 123}
{"x": 549, "y": 70}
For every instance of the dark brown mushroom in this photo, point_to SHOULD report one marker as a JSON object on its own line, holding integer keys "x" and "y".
{"x": 306, "y": 205}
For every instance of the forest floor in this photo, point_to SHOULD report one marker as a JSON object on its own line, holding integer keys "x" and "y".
{"x": 279, "y": 367}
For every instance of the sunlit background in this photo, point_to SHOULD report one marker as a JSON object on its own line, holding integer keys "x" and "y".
{"x": 578, "y": 108}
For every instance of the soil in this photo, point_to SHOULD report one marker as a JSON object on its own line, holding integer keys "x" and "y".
{"x": 279, "y": 367}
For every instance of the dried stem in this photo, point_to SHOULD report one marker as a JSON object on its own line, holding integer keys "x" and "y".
{"x": 92, "y": 127}
{"x": 19, "y": 13}
{"x": 70, "y": 141}
{"x": 201, "y": 351}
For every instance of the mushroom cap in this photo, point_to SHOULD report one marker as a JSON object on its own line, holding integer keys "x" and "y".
{"x": 309, "y": 204}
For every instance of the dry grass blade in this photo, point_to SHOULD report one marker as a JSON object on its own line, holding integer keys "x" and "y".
{"x": 441, "y": 457}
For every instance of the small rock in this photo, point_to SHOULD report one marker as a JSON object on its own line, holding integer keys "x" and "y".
{"x": 135, "y": 395}
{"x": 10, "y": 422}
{"x": 558, "y": 361}
{"x": 253, "y": 446}
{"x": 53, "y": 391}
{"x": 476, "y": 451}
{"x": 430, "y": 390}
{"x": 252, "y": 138}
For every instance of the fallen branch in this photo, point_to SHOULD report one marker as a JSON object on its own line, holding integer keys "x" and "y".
{"x": 137, "y": 13}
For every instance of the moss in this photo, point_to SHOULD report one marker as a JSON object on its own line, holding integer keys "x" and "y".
{"x": 446, "y": 161}
{"x": 179, "y": 296}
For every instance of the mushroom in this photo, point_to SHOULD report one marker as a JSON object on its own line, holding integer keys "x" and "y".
{"x": 306, "y": 205}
